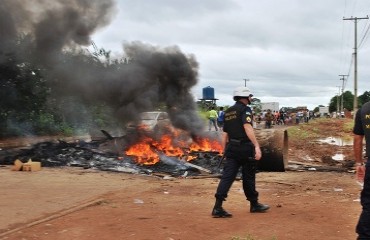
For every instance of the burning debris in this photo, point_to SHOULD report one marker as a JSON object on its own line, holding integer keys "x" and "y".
{"x": 147, "y": 156}
{"x": 174, "y": 153}
{"x": 148, "y": 150}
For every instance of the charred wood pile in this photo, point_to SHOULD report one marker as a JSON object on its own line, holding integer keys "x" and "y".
{"x": 108, "y": 155}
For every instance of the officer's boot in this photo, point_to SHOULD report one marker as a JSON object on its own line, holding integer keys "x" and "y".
{"x": 218, "y": 211}
{"x": 257, "y": 207}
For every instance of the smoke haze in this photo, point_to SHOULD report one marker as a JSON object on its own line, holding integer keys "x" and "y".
{"x": 153, "y": 75}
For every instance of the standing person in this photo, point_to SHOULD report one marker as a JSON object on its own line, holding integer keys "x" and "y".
{"x": 212, "y": 115}
{"x": 282, "y": 117}
{"x": 361, "y": 130}
{"x": 220, "y": 119}
{"x": 306, "y": 115}
{"x": 242, "y": 150}
{"x": 277, "y": 117}
{"x": 263, "y": 114}
{"x": 297, "y": 118}
{"x": 268, "y": 119}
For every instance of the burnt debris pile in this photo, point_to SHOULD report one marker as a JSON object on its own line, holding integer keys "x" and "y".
{"x": 95, "y": 155}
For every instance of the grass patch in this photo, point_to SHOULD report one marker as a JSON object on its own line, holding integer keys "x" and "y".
{"x": 320, "y": 128}
{"x": 302, "y": 132}
{"x": 348, "y": 126}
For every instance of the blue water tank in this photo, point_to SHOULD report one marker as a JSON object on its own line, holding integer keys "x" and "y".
{"x": 208, "y": 93}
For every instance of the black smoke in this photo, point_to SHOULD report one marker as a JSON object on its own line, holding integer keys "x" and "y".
{"x": 152, "y": 76}
{"x": 53, "y": 24}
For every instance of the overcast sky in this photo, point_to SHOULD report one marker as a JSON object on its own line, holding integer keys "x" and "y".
{"x": 290, "y": 51}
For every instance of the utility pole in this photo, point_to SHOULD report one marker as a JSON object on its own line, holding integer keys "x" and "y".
{"x": 245, "y": 82}
{"x": 342, "y": 79}
{"x": 355, "y": 61}
{"x": 338, "y": 100}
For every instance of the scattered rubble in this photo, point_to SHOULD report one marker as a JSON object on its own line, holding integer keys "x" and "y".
{"x": 87, "y": 155}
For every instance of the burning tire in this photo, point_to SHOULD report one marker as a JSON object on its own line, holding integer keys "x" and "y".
{"x": 274, "y": 147}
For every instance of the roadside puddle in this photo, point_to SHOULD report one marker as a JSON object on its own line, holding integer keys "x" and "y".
{"x": 338, "y": 157}
{"x": 336, "y": 141}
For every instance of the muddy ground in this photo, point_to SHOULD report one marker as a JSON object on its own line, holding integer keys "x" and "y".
{"x": 76, "y": 203}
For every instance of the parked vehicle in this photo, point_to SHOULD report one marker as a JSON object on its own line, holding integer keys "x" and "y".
{"x": 152, "y": 121}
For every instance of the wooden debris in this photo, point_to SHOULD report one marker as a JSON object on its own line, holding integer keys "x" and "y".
{"x": 18, "y": 164}
{"x": 204, "y": 176}
{"x": 282, "y": 183}
{"x": 31, "y": 166}
{"x": 197, "y": 167}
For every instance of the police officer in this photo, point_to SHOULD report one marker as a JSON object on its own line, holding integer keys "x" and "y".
{"x": 361, "y": 130}
{"x": 242, "y": 150}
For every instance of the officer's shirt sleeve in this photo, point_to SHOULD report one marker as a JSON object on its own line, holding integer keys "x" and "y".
{"x": 247, "y": 116}
{"x": 358, "y": 129}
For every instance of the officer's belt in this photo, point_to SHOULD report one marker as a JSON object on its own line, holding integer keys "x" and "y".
{"x": 234, "y": 141}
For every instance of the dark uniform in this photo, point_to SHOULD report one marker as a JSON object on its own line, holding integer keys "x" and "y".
{"x": 362, "y": 127}
{"x": 239, "y": 153}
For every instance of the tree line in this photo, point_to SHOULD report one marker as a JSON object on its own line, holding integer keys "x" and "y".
{"x": 30, "y": 103}
{"x": 347, "y": 97}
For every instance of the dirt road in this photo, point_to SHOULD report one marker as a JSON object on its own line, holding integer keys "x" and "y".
{"x": 72, "y": 203}
{"x": 84, "y": 204}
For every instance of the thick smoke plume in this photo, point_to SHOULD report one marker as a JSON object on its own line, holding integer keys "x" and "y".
{"x": 54, "y": 24}
{"x": 153, "y": 75}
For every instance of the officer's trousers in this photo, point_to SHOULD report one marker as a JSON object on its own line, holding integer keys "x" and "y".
{"x": 363, "y": 226}
{"x": 230, "y": 171}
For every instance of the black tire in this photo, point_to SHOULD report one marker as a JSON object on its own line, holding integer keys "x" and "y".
{"x": 272, "y": 160}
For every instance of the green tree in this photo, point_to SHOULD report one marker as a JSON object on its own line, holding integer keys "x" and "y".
{"x": 34, "y": 96}
{"x": 347, "y": 102}
{"x": 333, "y": 105}
{"x": 256, "y": 105}
{"x": 364, "y": 98}
{"x": 23, "y": 92}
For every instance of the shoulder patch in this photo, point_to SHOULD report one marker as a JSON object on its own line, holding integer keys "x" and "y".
{"x": 248, "y": 119}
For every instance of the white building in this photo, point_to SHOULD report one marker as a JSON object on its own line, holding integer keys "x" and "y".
{"x": 273, "y": 106}
{"x": 323, "y": 111}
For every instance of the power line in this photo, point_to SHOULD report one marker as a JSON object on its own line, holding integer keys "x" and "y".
{"x": 338, "y": 97}
{"x": 364, "y": 37}
{"x": 355, "y": 59}
{"x": 342, "y": 79}
{"x": 350, "y": 66}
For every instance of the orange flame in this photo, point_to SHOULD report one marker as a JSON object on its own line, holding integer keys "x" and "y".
{"x": 146, "y": 151}
{"x": 206, "y": 144}
{"x": 143, "y": 152}
{"x": 167, "y": 147}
